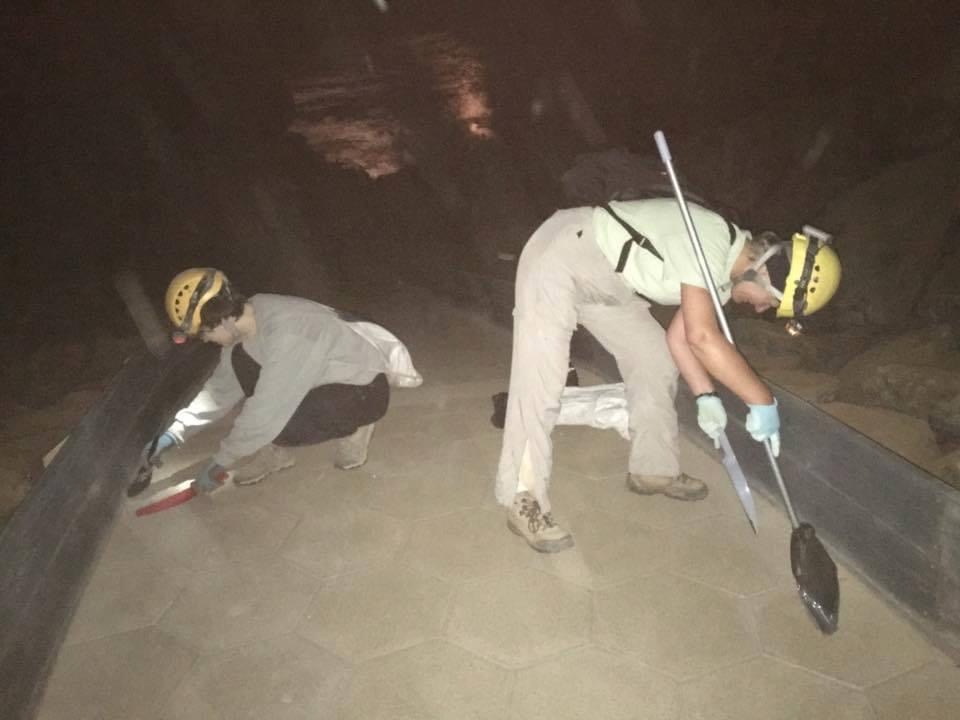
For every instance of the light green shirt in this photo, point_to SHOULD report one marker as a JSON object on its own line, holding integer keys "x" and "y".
{"x": 660, "y": 220}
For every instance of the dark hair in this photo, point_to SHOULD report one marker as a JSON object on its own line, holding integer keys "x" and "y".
{"x": 223, "y": 305}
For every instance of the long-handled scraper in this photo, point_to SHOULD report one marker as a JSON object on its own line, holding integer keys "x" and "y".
{"x": 813, "y": 568}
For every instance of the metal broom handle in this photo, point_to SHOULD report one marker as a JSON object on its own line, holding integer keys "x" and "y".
{"x": 664, "y": 151}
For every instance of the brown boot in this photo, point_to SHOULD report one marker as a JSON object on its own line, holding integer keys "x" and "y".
{"x": 538, "y": 529}
{"x": 681, "y": 487}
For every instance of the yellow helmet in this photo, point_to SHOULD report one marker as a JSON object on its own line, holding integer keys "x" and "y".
{"x": 188, "y": 292}
{"x": 814, "y": 275}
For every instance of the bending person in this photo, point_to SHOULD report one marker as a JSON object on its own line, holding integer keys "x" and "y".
{"x": 601, "y": 268}
{"x": 304, "y": 373}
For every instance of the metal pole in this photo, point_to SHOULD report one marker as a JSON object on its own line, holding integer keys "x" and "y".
{"x": 661, "y": 141}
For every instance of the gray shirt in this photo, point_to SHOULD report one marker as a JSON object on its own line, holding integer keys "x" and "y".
{"x": 299, "y": 345}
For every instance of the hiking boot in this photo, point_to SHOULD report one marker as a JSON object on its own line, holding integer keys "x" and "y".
{"x": 538, "y": 529}
{"x": 265, "y": 461}
{"x": 681, "y": 487}
{"x": 352, "y": 450}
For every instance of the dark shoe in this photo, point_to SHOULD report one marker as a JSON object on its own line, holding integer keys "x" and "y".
{"x": 499, "y": 416}
{"x": 538, "y": 529}
{"x": 681, "y": 487}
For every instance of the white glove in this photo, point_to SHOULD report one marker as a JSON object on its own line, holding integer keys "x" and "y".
{"x": 711, "y": 417}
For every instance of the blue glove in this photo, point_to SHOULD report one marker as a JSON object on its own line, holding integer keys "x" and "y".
{"x": 164, "y": 442}
{"x": 711, "y": 417}
{"x": 210, "y": 478}
{"x": 763, "y": 423}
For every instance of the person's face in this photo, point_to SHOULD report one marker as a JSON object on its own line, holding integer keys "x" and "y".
{"x": 220, "y": 334}
{"x": 755, "y": 294}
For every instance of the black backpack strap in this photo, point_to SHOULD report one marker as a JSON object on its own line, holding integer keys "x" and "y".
{"x": 635, "y": 238}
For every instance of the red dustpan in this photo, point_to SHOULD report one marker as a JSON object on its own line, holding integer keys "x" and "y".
{"x": 177, "y": 495}
{"x": 168, "y": 498}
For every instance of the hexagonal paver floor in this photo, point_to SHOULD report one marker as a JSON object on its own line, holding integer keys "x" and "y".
{"x": 676, "y": 625}
{"x": 283, "y": 677}
{"x": 343, "y": 540}
{"x": 609, "y": 550}
{"x": 128, "y": 675}
{"x": 868, "y": 629}
{"x": 519, "y": 617}
{"x": 123, "y": 596}
{"x": 725, "y": 554}
{"x": 589, "y": 683}
{"x": 395, "y": 592}
{"x": 463, "y": 545}
{"x": 769, "y": 689}
{"x": 928, "y": 693}
{"x": 359, "y": 616}
{"x": 431, "y": 681}
{"x": 238, "y": 604}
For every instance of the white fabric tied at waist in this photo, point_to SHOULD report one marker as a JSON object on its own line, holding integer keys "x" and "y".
{"x": 399, "y": 365}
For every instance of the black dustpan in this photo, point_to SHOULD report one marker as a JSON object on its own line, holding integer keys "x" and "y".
{"x": 816, "y": 577}
{"x": 813, "y": 568}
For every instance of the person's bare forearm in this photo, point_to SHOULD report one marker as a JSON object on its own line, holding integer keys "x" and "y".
{"x": 726, "y": 365}
{"x": 696, "y": 324}
{"x": 691, "y": 369}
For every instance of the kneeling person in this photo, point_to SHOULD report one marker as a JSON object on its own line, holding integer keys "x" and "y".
{"x": 303, "y": 373}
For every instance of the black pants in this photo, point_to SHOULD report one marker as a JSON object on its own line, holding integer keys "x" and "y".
{"x": 326, "y": 412}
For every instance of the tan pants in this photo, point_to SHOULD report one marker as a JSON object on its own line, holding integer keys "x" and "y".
{"x": 563, "y": 280}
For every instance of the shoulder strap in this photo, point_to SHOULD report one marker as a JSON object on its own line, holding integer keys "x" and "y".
{"x": 635, "y": 238}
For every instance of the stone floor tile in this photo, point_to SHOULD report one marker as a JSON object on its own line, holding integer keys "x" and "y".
{"x": 872, "y": 643}
{"x": 767, "y": 689}
{"x": 724, "y": 552}
{"x": 124, "y": 596}
{"x": 609, "y": 549}
{"x": 588, "y": 684}
{"x": 281, "y": 678}
{"x": 573, "y": 492}
{"x": 123, "y": 544}
{"x": 436, "y": 454}
{"x": 359, "y": 616}
{"x": 675, "y": 625}
{"x": 465, "y": 416}
{"x": 343, "y": 540}
{"x": 464, "y": 545}
{"x": 402, "y": 453}
{"x": 432, "y": 681}
{"x": 245, "y": 529}
{"x": 239, "y": 604}
{"x": 121, "y": 677}
{"x": 589, "y": 451}
{"x": 519, "y": 617}
{"x": 422, "y": 495}
{"x": 181, "y": 537}
{"x": 312, "y": 484}
{"x": 928, "y": 693}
